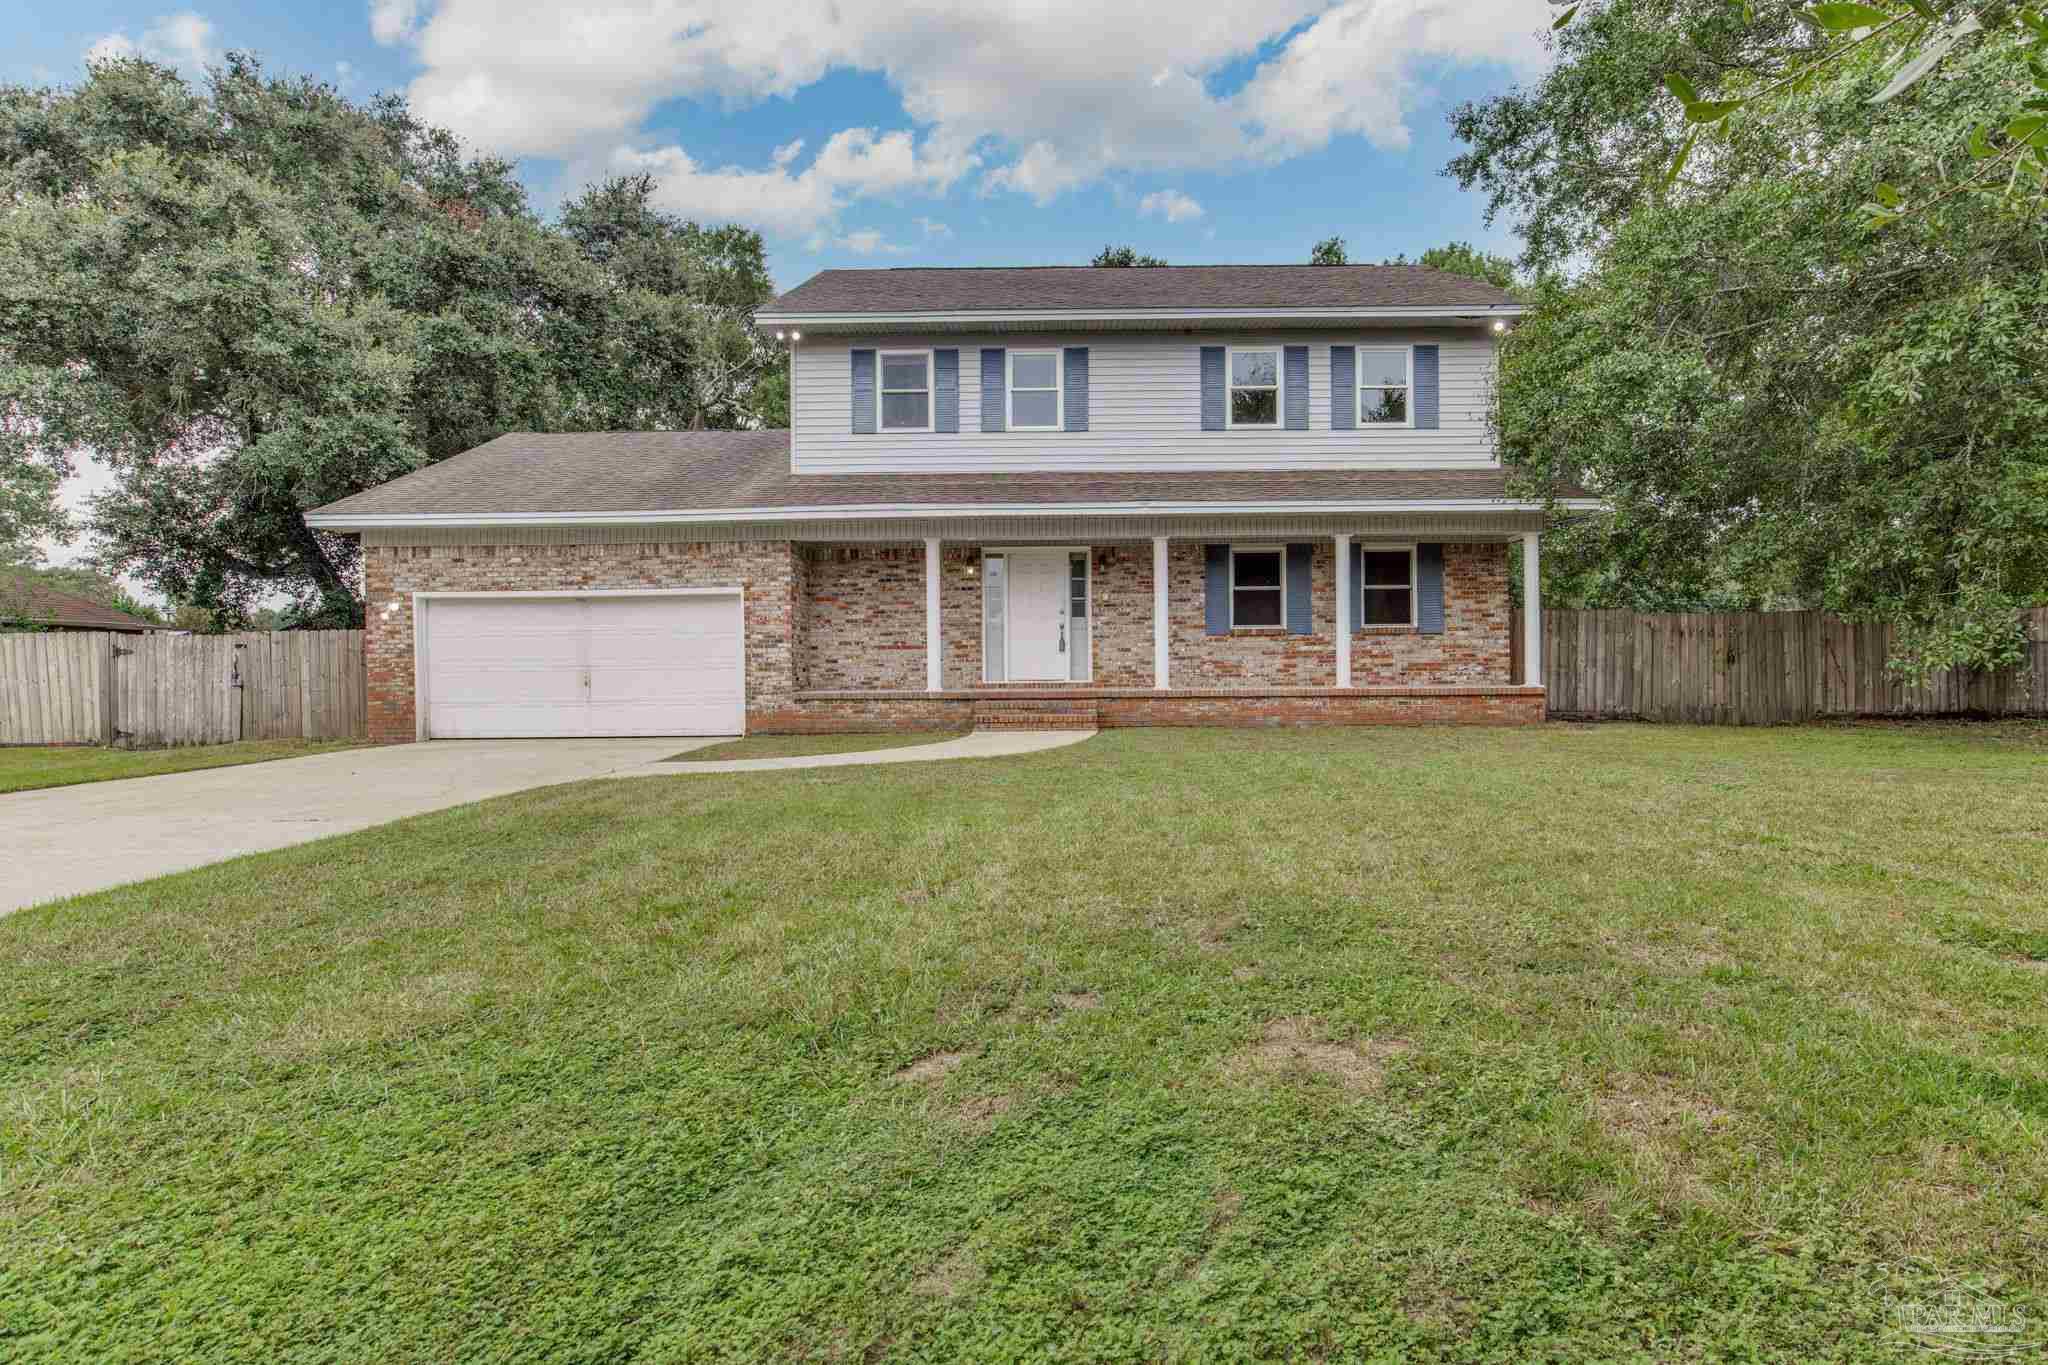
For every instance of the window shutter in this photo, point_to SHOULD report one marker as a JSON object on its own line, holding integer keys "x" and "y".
{"x": 1429, "y": 589}
{"x": 1343, "y": 388}
{"x": 863, "y": 393}
{"x": 1300, "y": 575}
{"x": 946, "y": 390}
{"x": 1076, "y": 400}
{"x": 1425, "y": 387}
{"x": 1355, "y": 609}
{"x": 1216, "y": 588}
{"x": 995, "y": 389}
{"x": 1295, "y": 361}
{"x": 1212, "y": 390}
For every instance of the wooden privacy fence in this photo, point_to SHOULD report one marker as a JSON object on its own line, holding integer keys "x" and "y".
{"x": 1761, "y": 668}
{"x": 143, "y": 691}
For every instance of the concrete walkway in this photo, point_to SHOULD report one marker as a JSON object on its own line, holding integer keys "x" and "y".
{"x": 980, "y": 744}
{"x": 68, "y": 840}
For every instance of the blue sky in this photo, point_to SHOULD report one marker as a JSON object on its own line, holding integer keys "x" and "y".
{"x": 856, "y": 132}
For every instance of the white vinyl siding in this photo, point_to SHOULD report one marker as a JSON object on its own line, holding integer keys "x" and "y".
{"x": 1144, "y": 411}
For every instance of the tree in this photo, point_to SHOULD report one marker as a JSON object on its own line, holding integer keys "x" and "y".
{"x": 1329, "y": 251}
{"x": 80, "y": 581}
{"x": 1462, "y": 258}
{"x": 255, "y": 297}
{"x": 1780, "y": 403}
{"x": 1124, "y": 256}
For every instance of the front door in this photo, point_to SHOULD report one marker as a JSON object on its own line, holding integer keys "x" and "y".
{"x": 1039, "y": 638}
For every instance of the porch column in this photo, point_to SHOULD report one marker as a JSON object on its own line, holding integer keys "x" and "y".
{"x": 1343, "y": 543}
{"x": 1159, "y": 638}
{"x": 1532, "y": 611}
{"x": 934, "y": 670}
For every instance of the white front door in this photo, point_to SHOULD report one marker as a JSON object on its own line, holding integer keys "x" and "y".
{"x": 1039, "y": 641}
{"x": 635, "y": 664}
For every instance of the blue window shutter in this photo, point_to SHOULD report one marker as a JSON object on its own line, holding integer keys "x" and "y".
{"x": 1216, "y": 588}
{"x": 1429, "y": 589}
{"x": 1356, "y": 607}
{"x": 995, "y": 389}
{"x": 1343, "y": 388}
{"x": 1076, "y": 360}
{"x": 1295, "y": 359}
{"x": 1425, "y": 388}
{"x": 1212, "y": 389}
{"x": 1300, "y": 574}
{"x": 863, "y": 393}
{"x": 946, "y": 390}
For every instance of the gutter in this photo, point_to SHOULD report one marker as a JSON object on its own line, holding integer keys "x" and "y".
{"x": 368, "y": 521}
{"x": 912, "y": 321}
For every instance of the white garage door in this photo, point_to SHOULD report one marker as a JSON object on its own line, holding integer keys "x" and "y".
{"x": 501, "y": 666}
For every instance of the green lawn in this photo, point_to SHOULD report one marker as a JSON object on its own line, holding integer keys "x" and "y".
{"x": 803, "y": 746}
{"x": 1566, "y": 1044}
{"x": 25, "y": 769}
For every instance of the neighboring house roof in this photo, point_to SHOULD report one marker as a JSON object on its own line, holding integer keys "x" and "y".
{"x": 744, "y": 475}
{"x": 28, "y": 601}
{"x": 1009, "y": 289}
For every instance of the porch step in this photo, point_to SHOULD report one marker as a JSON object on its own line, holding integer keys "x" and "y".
{"x": 1061, "y": 714}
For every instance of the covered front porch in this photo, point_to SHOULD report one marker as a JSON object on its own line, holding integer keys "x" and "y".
{"x": 1245, "y": 624}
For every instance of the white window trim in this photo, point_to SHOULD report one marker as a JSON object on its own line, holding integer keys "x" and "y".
{"x": 1281, "y": 551}
{"x": 1359, "y": 386}
{"x": 930, "y": 391}
{"x": 1279, "y": 422}
{"x": 1367, "y": 547}
{"x": 1059, "y": 388}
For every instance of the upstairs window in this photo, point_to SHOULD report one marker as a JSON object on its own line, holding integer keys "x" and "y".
{"x": 1034, "y": 390}
{"x": 1383, "y": 380}
{"x": 1258, "y": 587}
{"x": 1386, "y": 587}
{"x": 1255, "y": 387}
{"x": 906, "y": 390}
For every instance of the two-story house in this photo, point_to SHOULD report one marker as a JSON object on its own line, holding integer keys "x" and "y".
{"x": 1184, "y": 495}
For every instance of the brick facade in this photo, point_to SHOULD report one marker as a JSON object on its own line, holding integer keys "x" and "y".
{"x": 850, "y": 618}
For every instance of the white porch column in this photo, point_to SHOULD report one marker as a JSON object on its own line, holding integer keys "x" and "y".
{"x": 1159, "y": 636}
{"x": 934, "y": 669}
{"x": 1532, "y": 611}
{"x": 1344, "y": 590}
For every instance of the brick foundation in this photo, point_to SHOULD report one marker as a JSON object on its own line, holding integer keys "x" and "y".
{"x": 835, "y": 635}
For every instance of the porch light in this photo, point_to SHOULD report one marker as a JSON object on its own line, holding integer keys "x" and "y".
{"x": 796, "y": 336}
{"x": 778, "y": 334}
{"x": 1500, "y": 324}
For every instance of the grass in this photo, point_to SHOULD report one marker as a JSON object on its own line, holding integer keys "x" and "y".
{"x": 1564, "y": 1044}
{"x": 803, "y": 746}
{"x": 30, "y": 768}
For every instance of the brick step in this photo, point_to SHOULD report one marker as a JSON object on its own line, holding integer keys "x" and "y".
{"x": 1035, "y": 715}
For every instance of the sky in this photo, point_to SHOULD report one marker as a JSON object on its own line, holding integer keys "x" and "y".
{"x": 926, "y": 132}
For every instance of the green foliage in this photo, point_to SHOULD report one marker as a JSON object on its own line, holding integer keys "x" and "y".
{"x": 1781, "y": 404}
{"x": 257, "y": 297}
{"x": 89, "y": 583}
{"x": 1462, "y": 258}
{"x": 29, "y": 511}
{"x": 1124, "y": 256}
{"x": 1329, "y": 251}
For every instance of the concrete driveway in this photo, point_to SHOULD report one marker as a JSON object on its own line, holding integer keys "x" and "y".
{"x": 69, "y": 840}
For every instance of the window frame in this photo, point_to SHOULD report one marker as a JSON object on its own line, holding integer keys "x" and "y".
{"x": 1359, "y": 386}
{"x": 1279, "y": 422}
{"x": 1280, "y": 553}
{"x": 1058, "y": 389}
{"x": 930, "y": 390}
{"x": 1361, "y": 587}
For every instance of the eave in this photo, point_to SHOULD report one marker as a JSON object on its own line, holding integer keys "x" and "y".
{"x": 1137, "y": 320}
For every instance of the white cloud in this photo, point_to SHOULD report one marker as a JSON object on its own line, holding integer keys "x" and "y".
{"x": 183, "y": 40}
{"x": 855, "y": 163}
{"x": 1171, "y": 205}
{"x": 931, "y": 227}
{"x": 394, "y": 21}
{"x": 1052, "y": 96}
{"x": 863, "y": 242}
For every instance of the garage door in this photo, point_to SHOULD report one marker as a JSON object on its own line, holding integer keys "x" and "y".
{"x": 501, "y": 666}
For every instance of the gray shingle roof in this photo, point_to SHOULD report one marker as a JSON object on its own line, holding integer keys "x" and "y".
{"x": 672, "y": 471}
{"x": 1250, "y": 287}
